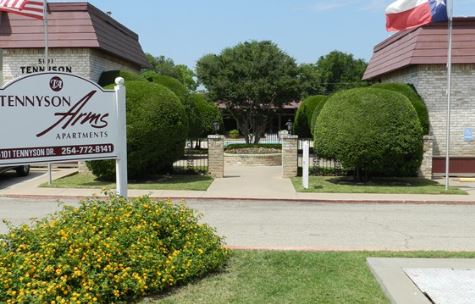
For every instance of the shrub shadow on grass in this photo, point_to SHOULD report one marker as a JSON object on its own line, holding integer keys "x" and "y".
{"x": 171, "y": 179}
{"x": 162, "y": 182}
{"x": 317, "y": 187}
{"x": 398, "y": 185}
{"x": 384, "y": 181}
{"x": 184, "y": 287}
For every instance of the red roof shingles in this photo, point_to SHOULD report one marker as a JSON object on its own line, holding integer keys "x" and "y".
{"x": 424, "y": 45}
{"x": 77, "y": 25}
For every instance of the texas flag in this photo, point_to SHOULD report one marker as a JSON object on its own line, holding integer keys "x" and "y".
{"x": 407, "y": 14}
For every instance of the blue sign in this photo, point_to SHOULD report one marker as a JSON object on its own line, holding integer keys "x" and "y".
{"x": 467, "y": 134}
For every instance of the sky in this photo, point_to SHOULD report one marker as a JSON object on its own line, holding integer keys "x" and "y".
{"x": 186, "y": 30}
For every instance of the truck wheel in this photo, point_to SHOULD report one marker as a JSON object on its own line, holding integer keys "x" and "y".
{"x": 23, "y": 170}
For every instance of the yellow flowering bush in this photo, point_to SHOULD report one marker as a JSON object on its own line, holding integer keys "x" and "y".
{"x": 106, "y": 251}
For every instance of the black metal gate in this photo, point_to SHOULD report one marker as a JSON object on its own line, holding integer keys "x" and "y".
{"x": 319, "y": 166}
{"x": 195, "y": 158}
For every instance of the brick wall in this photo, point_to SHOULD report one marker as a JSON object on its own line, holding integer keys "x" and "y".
{"x": 87, "y": 63}
{"x": 18, "y": 62}
{"x": 272, "y": 159}
{"x": 431, "y": 83}
{"x": 100, "y": 62}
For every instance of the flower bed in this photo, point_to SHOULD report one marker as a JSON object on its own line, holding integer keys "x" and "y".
{"x": 106, "y": 251}
{"x": 253, "y": 156}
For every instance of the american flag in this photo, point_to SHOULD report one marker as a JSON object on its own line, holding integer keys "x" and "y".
{"x": 29, "y": 8}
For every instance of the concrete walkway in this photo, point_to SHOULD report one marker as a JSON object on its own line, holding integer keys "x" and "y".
{"x": 239, "y": 183}
{"x": 257, "y": 182}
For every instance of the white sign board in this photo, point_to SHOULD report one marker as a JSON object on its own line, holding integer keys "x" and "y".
{"x": 49, "y": 117}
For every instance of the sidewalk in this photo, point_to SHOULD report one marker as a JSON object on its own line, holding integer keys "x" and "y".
{"x": 241, "y": 183}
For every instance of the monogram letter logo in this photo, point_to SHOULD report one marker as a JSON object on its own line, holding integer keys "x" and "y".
{"x": 56, "y": 84}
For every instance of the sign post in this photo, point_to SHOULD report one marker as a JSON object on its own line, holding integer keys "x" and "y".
{"x": 121, "y": 161}
{"x": 55, "y": 117}
{"x": 305, "y": 164}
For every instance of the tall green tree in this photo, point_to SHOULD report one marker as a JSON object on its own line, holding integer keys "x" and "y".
{"x": 162, "y": 65}
{"x": 166, "y": 66}
{"x": 338, "y": 70}
{"x": 310, "y": 80}
{"x": 254, "y": 79}
{"x": 187, "y": 77}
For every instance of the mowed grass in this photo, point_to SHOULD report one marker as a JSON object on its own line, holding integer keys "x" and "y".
{"x": 331, "y": 184}
{"x": 291, "y": 277}
{"x": 166, "y": 182}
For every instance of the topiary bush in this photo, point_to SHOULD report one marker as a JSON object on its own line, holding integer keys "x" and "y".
{"x": 108, "y": 77}
{"x": 157, "y": 128}
{"x": 107, "y": 251}
{"x": 303, "y": 117}
{"x": 374, "y": 131}
{"x": 417, "y": 102}
{"x": 209, "y": 113}
{"x": 201, "y": 115}
{"x": 234, "y": 133}
{"x": 316, "y": 111}
{"x": 171, "y": 83}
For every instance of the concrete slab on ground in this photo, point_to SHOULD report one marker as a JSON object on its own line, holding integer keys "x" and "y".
{"x": 240, "y": 183}
{"x": 256, "y": 181}
{"x": 398, "y": 286}
{"x": 445, "y": 285}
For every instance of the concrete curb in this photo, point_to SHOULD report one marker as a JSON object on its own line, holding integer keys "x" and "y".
{"x": 270, "y": 199}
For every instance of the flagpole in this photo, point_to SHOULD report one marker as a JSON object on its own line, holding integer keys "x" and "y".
{"x": 46, "y": 63}
{"x": 45, "y": 24}
{"x": 449, "y": 91}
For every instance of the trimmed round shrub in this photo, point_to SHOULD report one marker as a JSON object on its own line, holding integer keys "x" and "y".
{"x": 209, "y": 113}
{"x": 195, "y": 128}
{"x": 107, "y": 251}
{"x": 234, "y": 133}
{"x": 171, "y": 83}
{"x": 374, "y": 131}
{"x": 303, "y": 117}
{"x": 108, "y": 77}
{"x": 417, "y": 102}
{"x": 201, "y": 115}
{"x": 318, "y": 108}
{"x": 157, "y": 127}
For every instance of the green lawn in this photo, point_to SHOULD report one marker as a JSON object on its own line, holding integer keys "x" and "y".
{"x": 291, "y": 277}
{"x": 331, "y": 184}
{"x": 172, "y": 182}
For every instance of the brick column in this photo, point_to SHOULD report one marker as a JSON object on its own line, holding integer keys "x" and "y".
{"x": 216, "y": 156}
{"x": 289, "y": 155}
{"x": 426, "y": 166}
